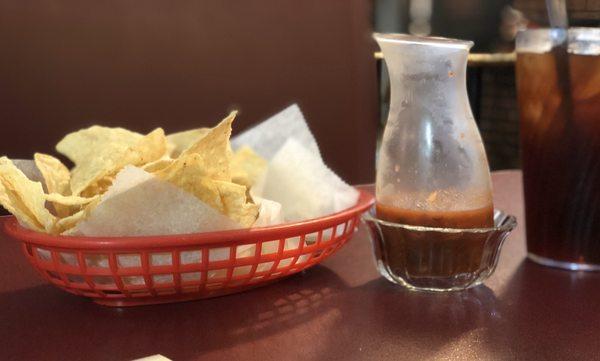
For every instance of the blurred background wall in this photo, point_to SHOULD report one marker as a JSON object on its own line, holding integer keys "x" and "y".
{"x": 68, "y": 64}
{"x": 581, "y": 12}
{"x": 492, "y": 25}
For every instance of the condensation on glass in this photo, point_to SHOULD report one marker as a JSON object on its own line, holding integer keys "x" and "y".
{"x": 558, "y": 86}
{"x": 434, "y": 226}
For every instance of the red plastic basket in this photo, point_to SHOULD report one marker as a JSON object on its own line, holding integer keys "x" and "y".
{"x": 130, "y": 271}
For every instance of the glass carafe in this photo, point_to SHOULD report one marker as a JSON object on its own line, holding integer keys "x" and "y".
{"x": 432, "y": 168}
{"x": 434, "y": 226}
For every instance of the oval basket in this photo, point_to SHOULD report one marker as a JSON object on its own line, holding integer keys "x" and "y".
{"x": 130, "y": 271}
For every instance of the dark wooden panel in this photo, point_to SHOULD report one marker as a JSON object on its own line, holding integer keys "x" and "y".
{"x": 181, "y": 64}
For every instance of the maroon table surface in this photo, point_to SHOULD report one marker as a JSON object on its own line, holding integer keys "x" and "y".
{"x": 341, "y": 309}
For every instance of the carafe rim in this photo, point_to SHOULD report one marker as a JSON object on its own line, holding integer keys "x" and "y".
{"x": 423, "y": 40}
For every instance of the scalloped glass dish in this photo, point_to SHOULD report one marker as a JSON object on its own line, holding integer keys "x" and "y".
{"x": 437, "y": 259}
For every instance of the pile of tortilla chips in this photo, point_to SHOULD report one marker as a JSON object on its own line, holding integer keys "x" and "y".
{"x": 199, "y": 161}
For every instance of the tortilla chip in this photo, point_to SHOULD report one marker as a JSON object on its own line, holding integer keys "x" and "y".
{"x": 203, "y": 170}
{"x": 203, "y": 167}
{"x": 207, "y": 158}
{"x": 98, "y": 188}
{"x": 69, "y": 200}
{"x": 157, "y": 165}
{"x": 64, "y": 225}
{"x": 216, "y": 139}
{"x": 88, "y": 143}
{"x": 228, "y": 198}
{"x": 247, "y": 167}
{"x": 24, "y": 198}
{"x": 109, "y": 158}
{"x": 15, "y": 206}
{"x": 56, "y": 177}
{"x": 235, "y": 203}
{"x": 178, "y": 142}
{"x": 193, "y": 174}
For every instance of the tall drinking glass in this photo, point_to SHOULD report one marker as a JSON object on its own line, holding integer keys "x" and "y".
{"x": 558, "y": 83}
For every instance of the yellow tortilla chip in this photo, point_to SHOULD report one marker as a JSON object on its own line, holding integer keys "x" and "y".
{"x": 96, "y": 151}
{"x": 88, "y": 143}
{"x": 56, "y": 175}
{"x": 178, "y": 142}
{"x": 96, "y": 172}
{"x": 99, "y": 187}
{"x": 24, "y": 198}
{"x": 67, "y": 224}
{"x": 203, "y": 169}
{"x": 158, "y": 165}
{"x": 215, "y": 140}
{"x": 69, "y": 200}
{"x": 203, "y": 165}
{"x": 15, "y": 206}
{"x": 247, "y": 167}
{"x": 208, "y": 158}
{"x": 226, "y": 197}
{"x": 57, "y": 178}
{"x": 193, "y": 173}
{"x": 235, "y": 203}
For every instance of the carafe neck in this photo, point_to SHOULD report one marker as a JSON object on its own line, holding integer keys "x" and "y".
{"x": 426, "y": 71}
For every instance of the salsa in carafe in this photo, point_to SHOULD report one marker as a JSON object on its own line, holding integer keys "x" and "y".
{"x": 432, "y": 168}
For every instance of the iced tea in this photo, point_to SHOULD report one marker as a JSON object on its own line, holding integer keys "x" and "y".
{"x": 559, "y": 104}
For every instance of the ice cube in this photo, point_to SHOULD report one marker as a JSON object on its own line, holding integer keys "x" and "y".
{"x": 539, "y": 41}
